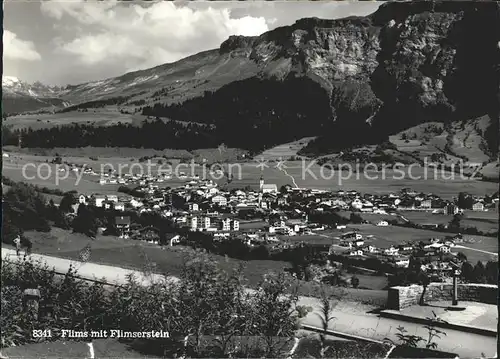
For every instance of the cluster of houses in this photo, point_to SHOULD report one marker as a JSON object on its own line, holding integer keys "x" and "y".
{"x": 431, "y": 251}
{"x": 201, "y": 205}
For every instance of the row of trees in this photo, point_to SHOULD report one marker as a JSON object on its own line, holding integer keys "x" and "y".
{"x": 155, "y": 134}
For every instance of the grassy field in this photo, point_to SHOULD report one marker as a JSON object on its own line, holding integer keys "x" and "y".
{"x": 170, "y": 260}
{"x": 22, "y": 169}
{"x": 483, "y": 221}
{"x": 296, "y": 173}
{"x": 286, "y": 150}
{"x": 432, "y": 137}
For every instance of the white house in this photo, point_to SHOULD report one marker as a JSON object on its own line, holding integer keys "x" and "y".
{"x": 478, "y": 206}
{"x": 352, "y": 235}
{"x": 382, "y": 224}
{"x": 357, "y": 204}
{"x": 359, "y": 242}
{"x": 205, "y": 222}
{"x": 175, "y": 240}
{"x": 82, "y": 199}
{"x": 99, "y": 200}
{"x": 357, "y": 252}
{"x": 112, "y": 198}
{"x": 135, "y": 203}
{"x": 226, "y": 224}
{"x": 212, "y": 191}
{"x": 444, "y": 249}
{"x": 194, "y": 223}
{"x": 391, "y": 251}
{"x": 402, "y": 262}
{"x": 426, "y": 203}
{"x": 219, "y": 200}
{"x": 270, "y": 188}
{"x": 371, "y": 249}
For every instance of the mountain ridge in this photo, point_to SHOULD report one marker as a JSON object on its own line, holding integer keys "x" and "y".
{"x": 405, "y": 64}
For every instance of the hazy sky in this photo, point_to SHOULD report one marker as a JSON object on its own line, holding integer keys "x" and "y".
{"x": 69, "y": 41}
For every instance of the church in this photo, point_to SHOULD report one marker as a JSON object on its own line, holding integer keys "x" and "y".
{"x": 267, "y": 188}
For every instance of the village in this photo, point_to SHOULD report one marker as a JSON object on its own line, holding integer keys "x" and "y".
{"x": 288, "y": 217}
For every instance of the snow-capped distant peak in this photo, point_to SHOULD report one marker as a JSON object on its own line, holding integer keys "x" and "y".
{"x": 10, "y": 80}
{"x": 13, "y": 86}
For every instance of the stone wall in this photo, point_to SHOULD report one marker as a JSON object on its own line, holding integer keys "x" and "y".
{"x": 402, "y": 297}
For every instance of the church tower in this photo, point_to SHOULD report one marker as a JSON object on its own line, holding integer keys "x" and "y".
{"x": 261, "y": 183}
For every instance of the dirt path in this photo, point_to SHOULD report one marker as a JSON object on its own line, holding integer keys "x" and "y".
{"x": 477, "y": 250}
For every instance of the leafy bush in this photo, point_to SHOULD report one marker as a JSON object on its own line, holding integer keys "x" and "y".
{"x": 206, "y": 303}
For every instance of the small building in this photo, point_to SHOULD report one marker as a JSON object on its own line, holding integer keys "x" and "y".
{"x": 122, "y": 224}
{"x": 382, "y": 224}
{"x": 120, "y": 206}
{"x": 82, "y": 199}
{"x": 478, "y": 206}
{"x": 391, "y": 251}
{"x": 205, "y": 222}
{"x": 450, "y": 209}
{"x": 445, "y": 249}
{"x": 150, "y": 234}
{"x": 357, "y": 252}
{"x": 98, "y": 200}
{"x": 112, "y": 198}
{"x": 219, "y": 200}
{"x": 359, "y": 242}
{"x": 352, "y": 235}
{"x": 426, "y": 203}
{"x": 225, "y": 224}
{"x": 402, "y": 262}
{"x": 107, "y": 204}
{"x": 194, "y": 223}
{"x": 269, "y": 188}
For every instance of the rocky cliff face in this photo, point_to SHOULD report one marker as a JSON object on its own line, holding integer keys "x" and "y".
{"x": 408, "y": 63}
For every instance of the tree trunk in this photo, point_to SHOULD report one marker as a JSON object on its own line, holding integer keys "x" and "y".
{"x": 91, "y": 350}
{"x": 294, "y": 348}
{"x": 422, "y": 301}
